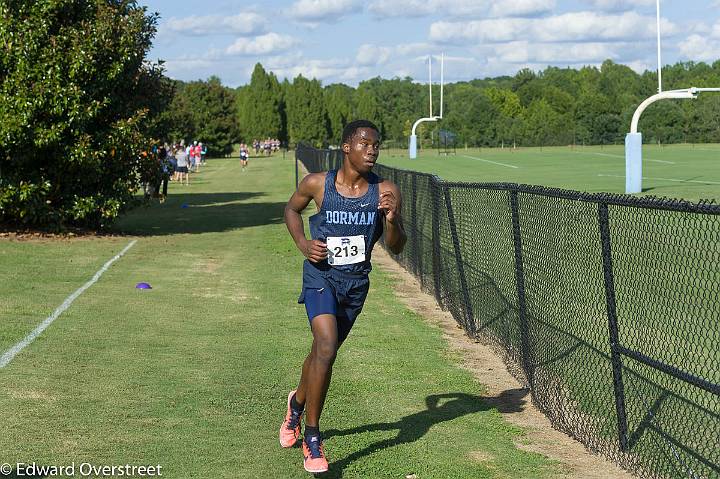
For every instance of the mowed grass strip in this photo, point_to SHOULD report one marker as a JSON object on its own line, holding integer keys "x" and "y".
{"x": 684, "y": 171}
{"x": 37, "y": 276}
{"x": 193, "y": 374}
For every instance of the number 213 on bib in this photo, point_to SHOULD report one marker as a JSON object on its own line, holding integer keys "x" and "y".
{"x": 345, "y": 250}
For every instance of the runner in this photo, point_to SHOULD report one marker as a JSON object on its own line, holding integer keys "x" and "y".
{"x": 354, "y": 207}
{"x": 244, "y": 153}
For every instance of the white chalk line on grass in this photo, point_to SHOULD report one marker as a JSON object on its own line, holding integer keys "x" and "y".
{"x": 488, "y": 161}
{"x": 12, "y": 352}
{"x": 623, "y": 156}
{"x": 669, "y": 179}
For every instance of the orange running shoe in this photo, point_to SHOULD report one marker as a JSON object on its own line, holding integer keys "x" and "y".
{"x": 314, "y": 454}
{"x": 290, "y": 429}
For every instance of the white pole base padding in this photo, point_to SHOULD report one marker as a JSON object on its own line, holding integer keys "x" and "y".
{"x": 413, "y": 147}
{"x": 633, "y": 163}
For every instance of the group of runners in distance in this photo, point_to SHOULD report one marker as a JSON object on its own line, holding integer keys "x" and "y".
{"x": 266, "y": 147}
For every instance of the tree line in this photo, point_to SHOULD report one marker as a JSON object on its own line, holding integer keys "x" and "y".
{"x": 555, "y": 106}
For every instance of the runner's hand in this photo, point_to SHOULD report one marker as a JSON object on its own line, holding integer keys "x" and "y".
{"x": 388, "y": 204}
{"x": 314, "y": 250}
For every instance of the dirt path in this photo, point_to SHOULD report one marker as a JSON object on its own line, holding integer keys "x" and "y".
{"x": 489, "y": 369}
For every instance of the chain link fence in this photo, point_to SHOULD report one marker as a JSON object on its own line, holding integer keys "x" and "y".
{"x": 606, "y": 307}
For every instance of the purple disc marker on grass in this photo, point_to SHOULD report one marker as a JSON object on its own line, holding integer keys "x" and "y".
{"x": 143, "y": 286}
{"x": 184, "y": 205}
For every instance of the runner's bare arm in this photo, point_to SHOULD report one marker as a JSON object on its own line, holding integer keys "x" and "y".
{"x": 311, "y": 187}
{"x": 390, "y": 203}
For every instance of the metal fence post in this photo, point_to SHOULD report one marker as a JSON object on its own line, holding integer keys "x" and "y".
{"x": 467, "y": 305}
{"x": 414, "y": 233}
{"x": 520, "y": 282}
{"x": 435, "y": 186}
{"x": 613, "y": 326}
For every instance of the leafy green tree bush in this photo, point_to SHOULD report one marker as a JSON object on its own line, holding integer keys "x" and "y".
{"x": 205, "y": 111}
{"x": 78, "y": 105}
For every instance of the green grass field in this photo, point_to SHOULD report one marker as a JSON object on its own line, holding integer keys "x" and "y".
{"x": 691, "y": 172}
{"x": 193, "y": 375}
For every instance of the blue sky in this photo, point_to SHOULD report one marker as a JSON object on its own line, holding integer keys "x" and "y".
{"x": 347, "y": 41}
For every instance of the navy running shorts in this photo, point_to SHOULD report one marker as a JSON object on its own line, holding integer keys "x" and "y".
{"x": 334, "y": 292}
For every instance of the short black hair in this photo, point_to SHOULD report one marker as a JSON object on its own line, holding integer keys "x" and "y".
{"x": 353, "y": 126}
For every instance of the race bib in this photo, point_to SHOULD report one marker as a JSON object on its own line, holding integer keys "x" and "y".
{"x": 345, "y": 249}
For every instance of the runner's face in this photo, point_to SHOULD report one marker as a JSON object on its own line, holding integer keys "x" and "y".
{"x": 363, "y": 149}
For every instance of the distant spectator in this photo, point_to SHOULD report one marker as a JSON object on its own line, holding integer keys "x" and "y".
{"x": 197, "y": 156}
{"x": 166, "y": 170}
{"x": 203, "y": 152}
{"x": 188, "y": 155}
{"x": 182, "y": 168}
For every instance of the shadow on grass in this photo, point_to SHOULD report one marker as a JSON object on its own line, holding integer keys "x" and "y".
{"x": 200, "y": 213}
{"x": 413, "y": 427}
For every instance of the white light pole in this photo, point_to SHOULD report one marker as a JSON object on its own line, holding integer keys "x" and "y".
{"x": 657, "y": 15}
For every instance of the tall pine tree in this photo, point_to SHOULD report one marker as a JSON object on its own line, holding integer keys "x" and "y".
{"x": 339, "y": 106}
{"x": 261, "y": 107}
{"x": 306, "y": 117}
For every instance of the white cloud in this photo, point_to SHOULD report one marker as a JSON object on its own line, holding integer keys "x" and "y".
{"x": 195, "y": 64}
{"x": 374, "y": 55}
{"x": 640, "y": 66}
{"x": 583, "y": 26}
{"x": 615, "y": 5}
{"x": 323, "y": 10}
{"x": 323, "y": 70}
{"x": 267, "y": 44}
{"x": 700, "y": 48}
{"x": 401, "y": 8}
{"x": 575, "y": 27}
{"x": 245, "y": 24}
{"x": 177, "y": 65}
{"x": 521, "y": 8}
{"x": 701, "y": 28}
{"x": 716, "y": 30}
{"x": 354, "y": 75}
{"x": 459, "y": 8}
{"x": 551, "y": 53}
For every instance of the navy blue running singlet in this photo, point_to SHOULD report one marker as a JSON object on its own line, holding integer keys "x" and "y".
{"x": 344, "y": 217}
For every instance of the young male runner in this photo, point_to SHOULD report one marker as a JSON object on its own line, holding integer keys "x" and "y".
{"x": 354, "y": 207}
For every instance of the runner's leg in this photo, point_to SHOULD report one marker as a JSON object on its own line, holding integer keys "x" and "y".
{"x": 317, "y": 368}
